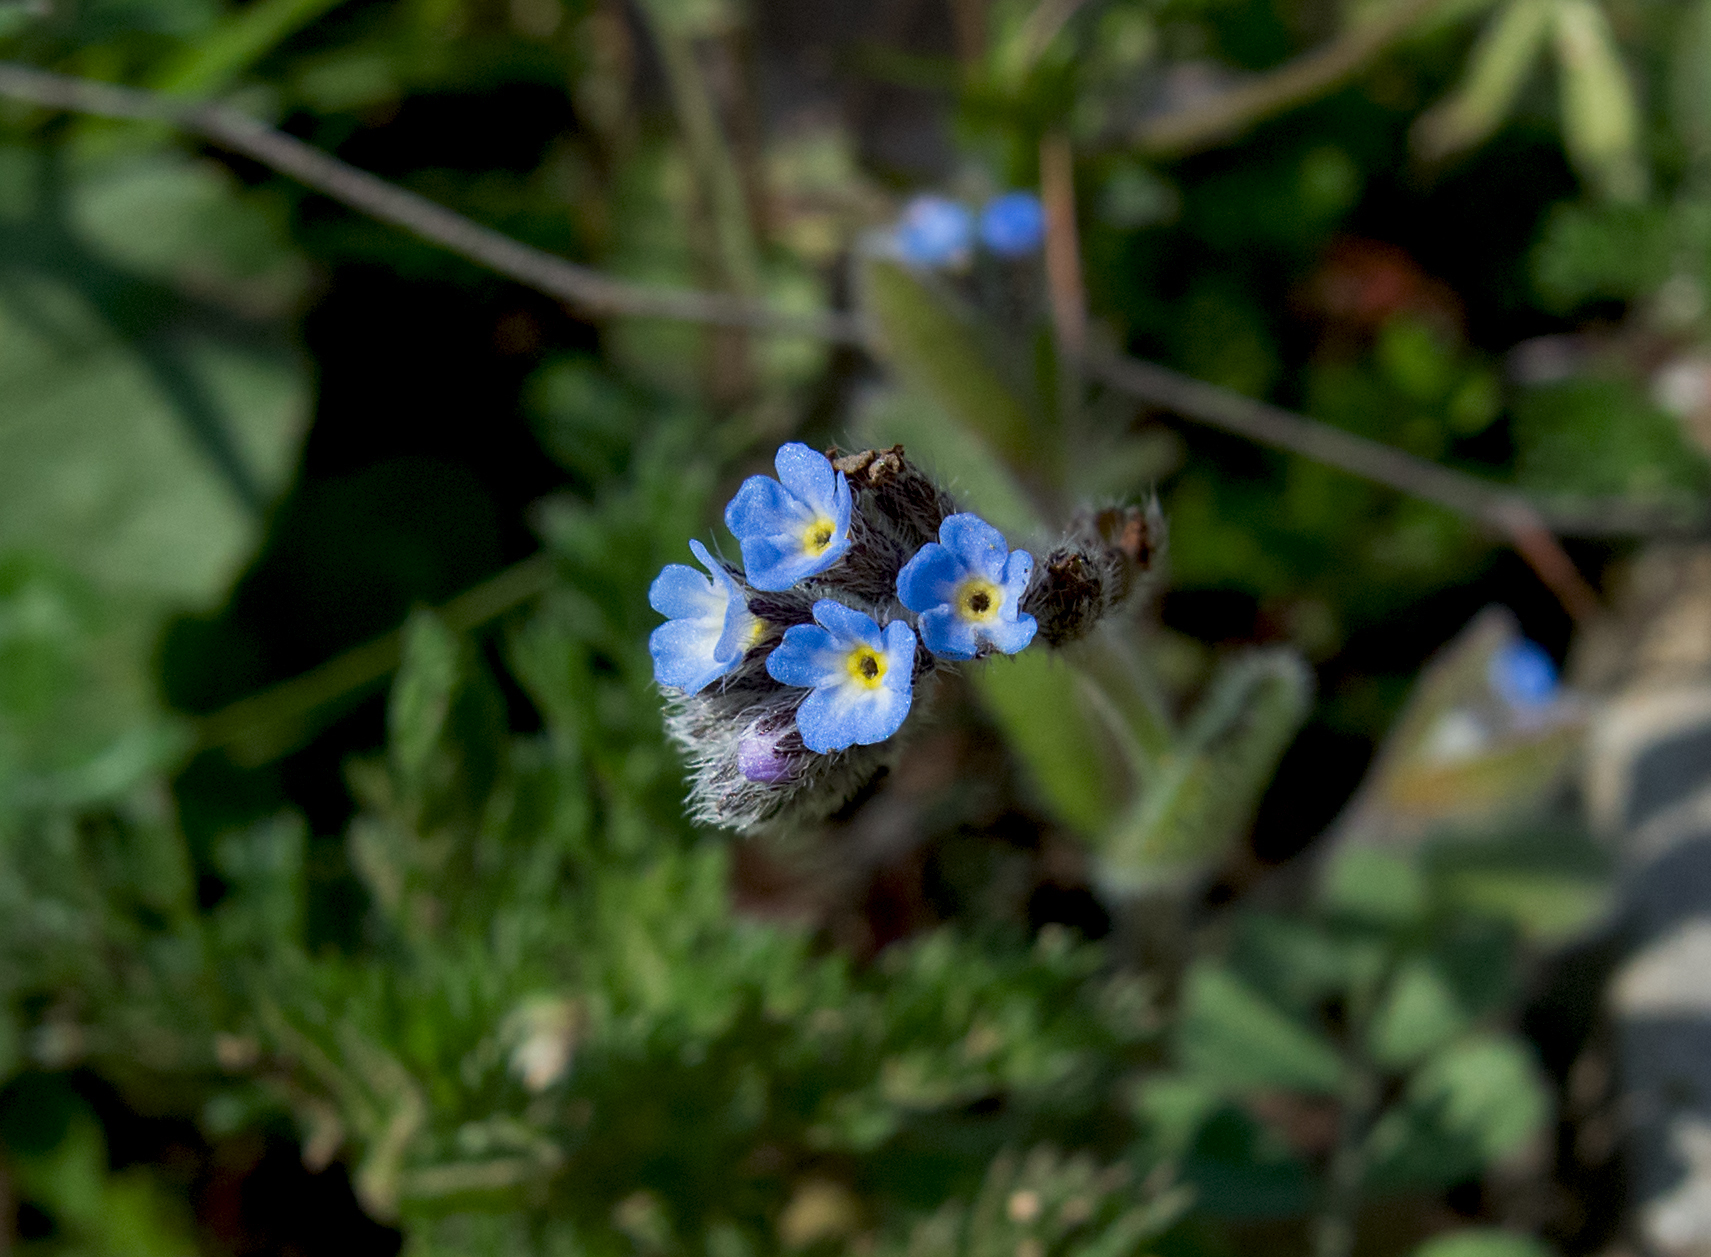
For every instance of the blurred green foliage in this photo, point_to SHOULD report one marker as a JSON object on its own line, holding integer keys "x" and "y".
{"x": 499, "y": 979}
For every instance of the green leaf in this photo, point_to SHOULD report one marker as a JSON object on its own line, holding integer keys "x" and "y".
{"x": 1034, "y": 697}
{"x": 1419, "y": 1014}
{"x": 1482, "y": 1242}
{"x": 422, "y": 695}
{"x": 141, "y": 432}
{"x": 1506, "y": 52}
{"x": 1547, "y": 908}
{"x": 1622, "y": 251}
{"x": 1600, "y": 118}
{"x": 1374, "y": 885}
{"x": 1203, "y": 791}
{"x": 1174, "y": 1107}
{"x": 1603, "y": 436}
{"x": 1485, "y": 1089}
{"x": 1690, "y": 82}
{"x": 236, "y": 43}
{"x": 1240, "y": 1041}
{"x": 943, "y": 352}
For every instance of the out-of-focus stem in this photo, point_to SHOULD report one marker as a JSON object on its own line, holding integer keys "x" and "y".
{"x": 710, "y": 153}
{"x": 1063, "y": 246}
{"x": 727, "y": 367}
{"x": 1334, "y": 1226}
{"x": 968, "y": 19}
{"x": 1063, "y": 269}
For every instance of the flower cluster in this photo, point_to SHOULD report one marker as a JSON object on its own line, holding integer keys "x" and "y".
{"x": 936, "y": 232}
{"x": 788, "y": 678}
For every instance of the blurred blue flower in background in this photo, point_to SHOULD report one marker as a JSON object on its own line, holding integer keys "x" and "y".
{"x": 1523, "y": 675}
{"x": 862, "y": 678}
{"x": 795, "y": 529}
{"x": 967, "y": 588}
{"x": 935, "y": 231}
{"x": 1013, "y": 225}
{"x": 710, "y": 627}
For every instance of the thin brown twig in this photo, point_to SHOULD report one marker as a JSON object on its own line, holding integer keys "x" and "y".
{"x": 1527, "y": 524}
{"x": 1508, "y": 513}
{"x": 589, "y": 291}
{"x": 1229, "y": 113}
{"x": 1063, "y": 249}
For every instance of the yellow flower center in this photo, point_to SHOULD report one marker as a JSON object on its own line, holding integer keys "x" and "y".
{"x": 756, "y": 630}
{"x": 867, "y": 667}
{"x": 817, "y": 537}
{"x": 979, "y": 600}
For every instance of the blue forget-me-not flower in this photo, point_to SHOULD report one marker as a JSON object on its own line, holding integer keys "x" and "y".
{"x": 1013, "y": 225}
{"x": 1523, "y": 675}
{"x": 710, "y": 627}
{"x": 795, "y": 731}
{"x": 862, "y": 676}
{"x": 934, "y": 231}
{"x": 794, "y": 529}
{"x": 967, "y": 588}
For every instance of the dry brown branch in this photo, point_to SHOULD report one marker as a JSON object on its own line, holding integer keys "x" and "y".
{"x": 586, "y": 290}
{"x": 1527, "y": 524}
{"x": 1505, "y": 511}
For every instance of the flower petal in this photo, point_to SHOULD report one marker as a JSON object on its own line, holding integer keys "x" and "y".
{"x": 808, "y": 656}
{"x": 808, "y": 475}
{"x": 899, "y": 655}
{"x": 833, "y": 718}
{"x": 842, "y": 506}
{"x": 763, "y": 508}
{"x": 929, "y": 578}
{"x": 1010, "y": 636}
{"x": 847, "y": 625}
{"x": 680, "y": 592}
{"x": 979, "y": 545}
{"x": 947, "y": 634}
{"x": 1018, "y": 571}
{"x": 779, "y": 563}
{"x": 682, "y": 652}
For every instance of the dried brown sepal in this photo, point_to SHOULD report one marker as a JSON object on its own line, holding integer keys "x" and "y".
{"x": 1104, "y": 559}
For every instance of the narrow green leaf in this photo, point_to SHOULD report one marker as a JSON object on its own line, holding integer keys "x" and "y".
{"x": 942, "y": 351}
{"x": 1033, "y": 695}
{"x": 1203, "y": 791}
{"x": 1419, "y": 1014}
{"x": 220, "y": 56}
{"x": 1482, "y": 1242}
{"x": 1600, "y": 119}
{"x": 1240, "y": 1041}
{"x": 1690, "y": 82}
{"x": 1496, "y": 71}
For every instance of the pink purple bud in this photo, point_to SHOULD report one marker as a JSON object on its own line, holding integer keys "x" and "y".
{"x": 758, "y": 758}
